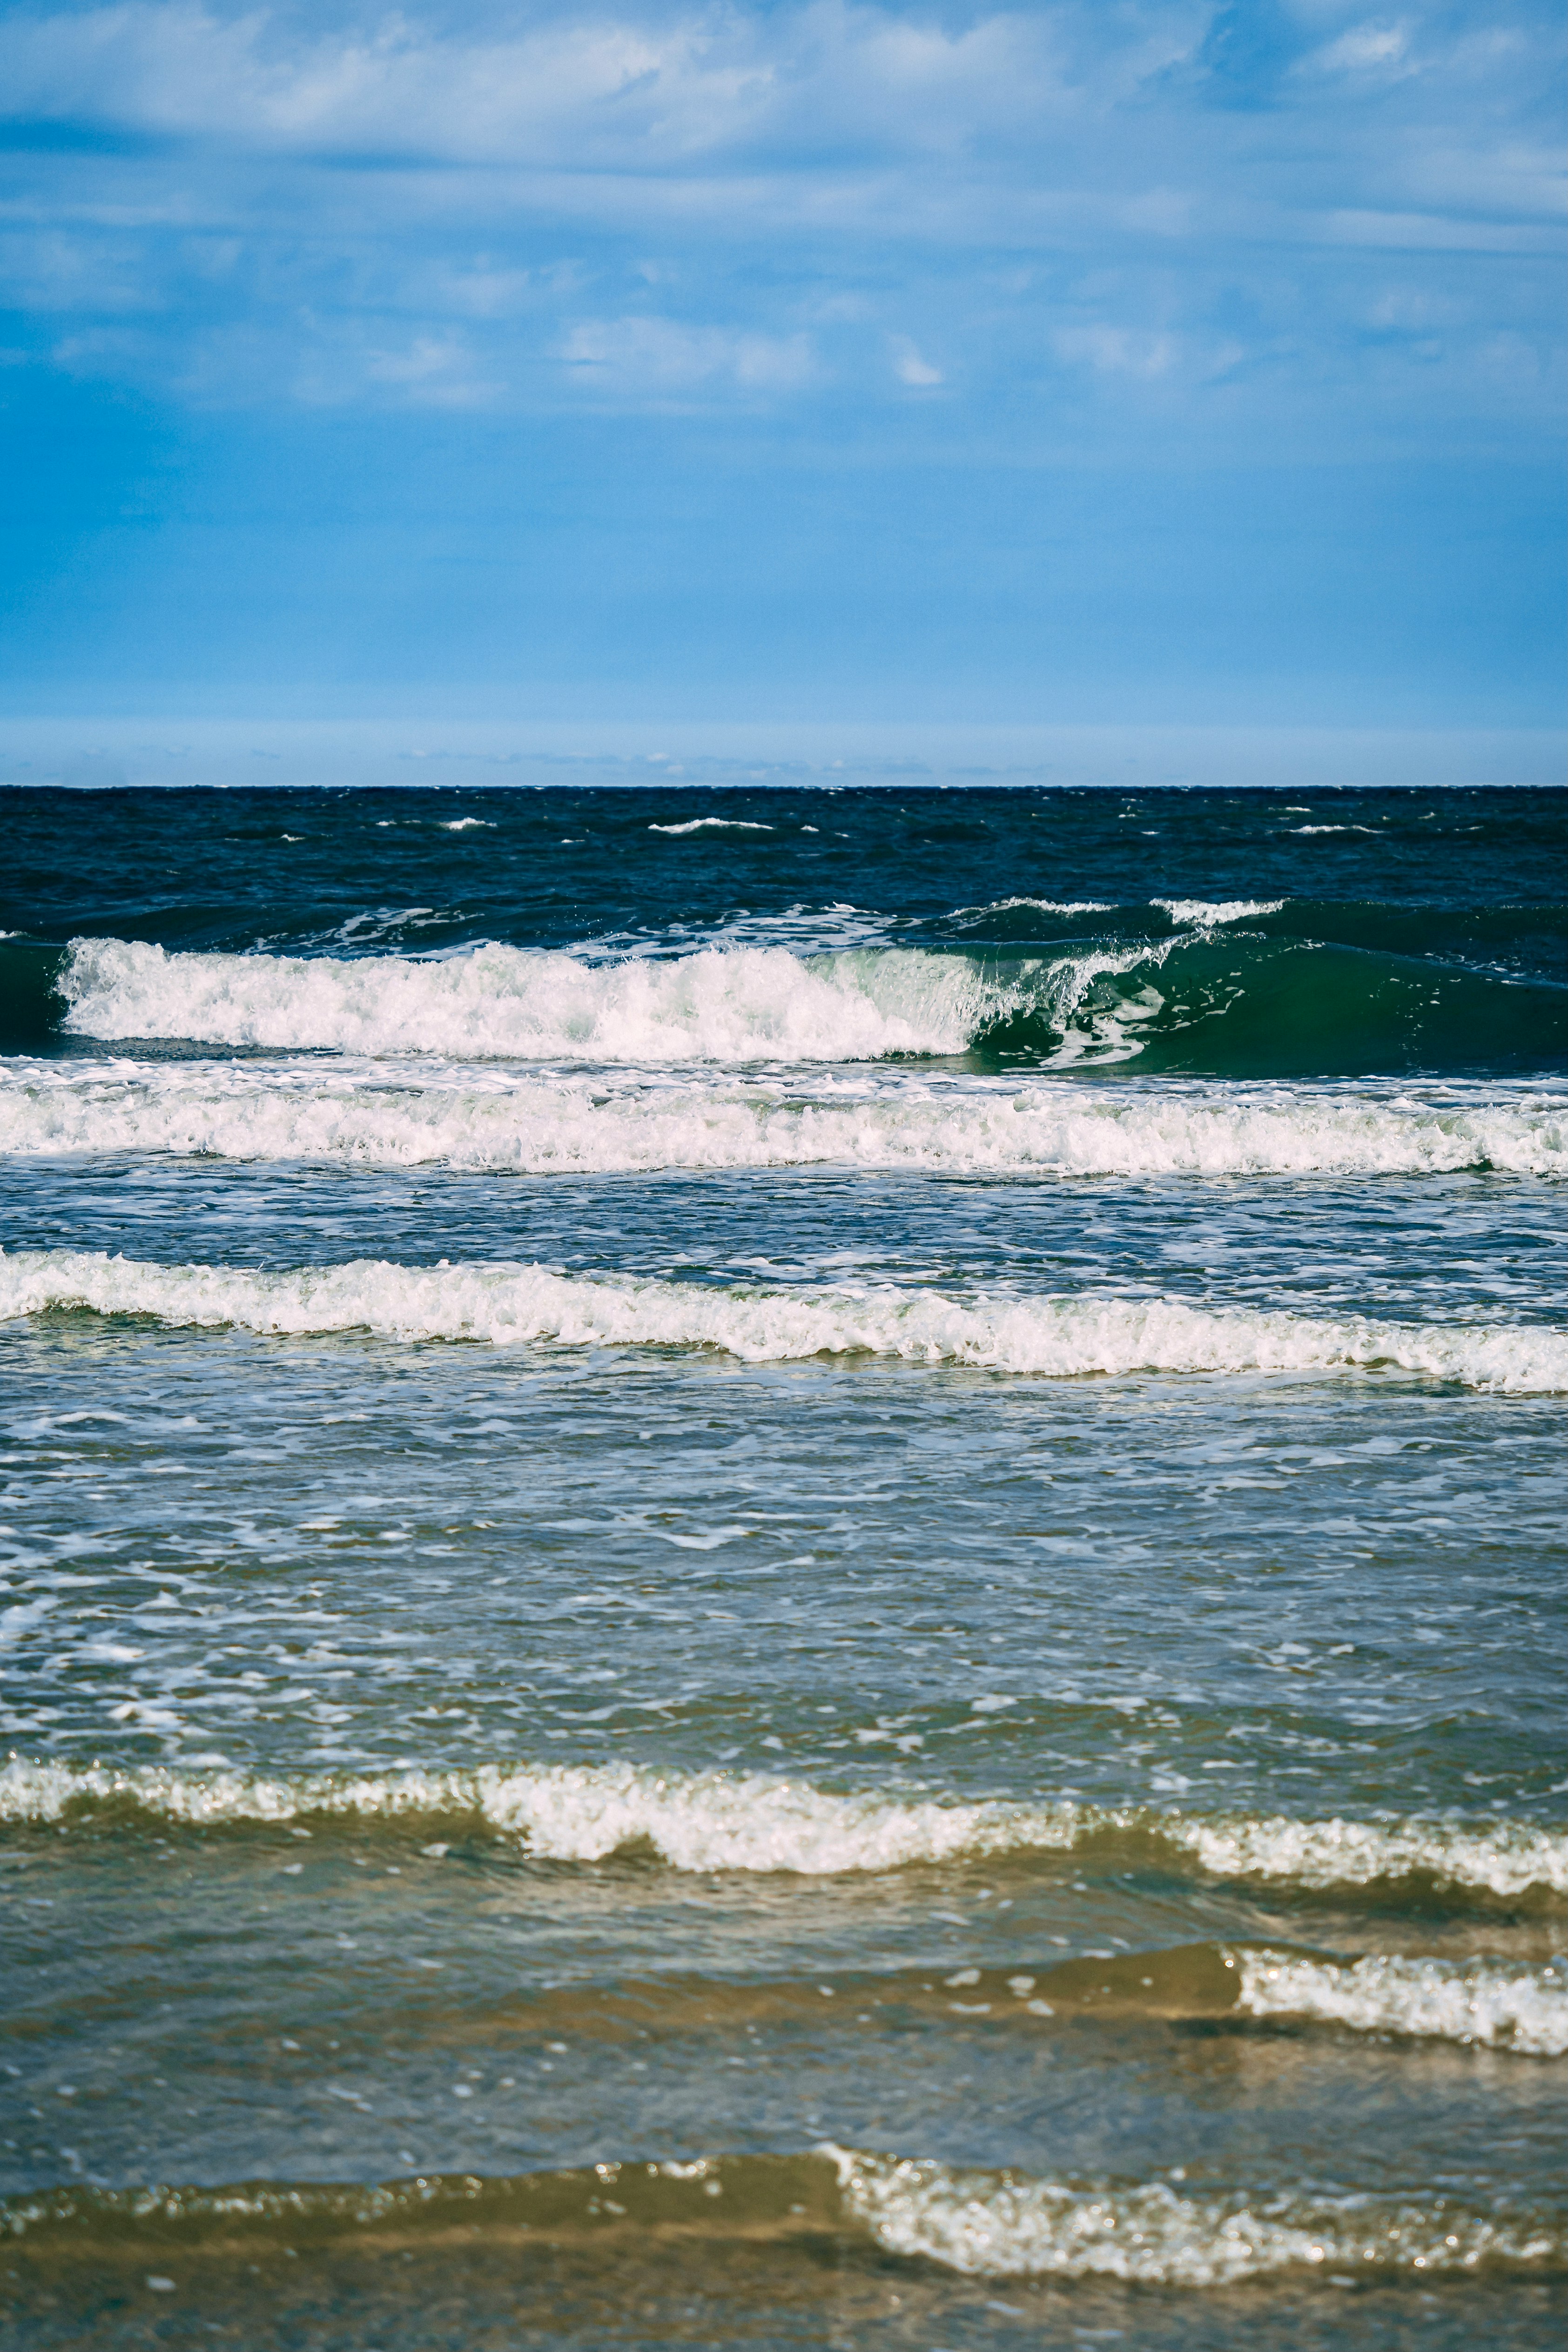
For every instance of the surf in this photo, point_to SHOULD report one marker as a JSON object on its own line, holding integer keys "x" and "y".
{"x": 471, "y": 1116}
{"x": 976, "y": 2222}
{"x": 508, "y": 1304}
{"x": 755, "y": 1823}
{"x": 1221, "y": 999}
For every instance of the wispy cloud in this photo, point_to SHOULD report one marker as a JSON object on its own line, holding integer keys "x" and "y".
{"x": 1118, "y": 351}
{"x": 1370, "y": 49}
{"x": 631, "y": 201}
{"x": 911, "y": 367}
{"x": 640, "y": 357}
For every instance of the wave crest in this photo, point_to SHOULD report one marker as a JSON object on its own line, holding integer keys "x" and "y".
{"x": 480, "y": 1120}
{"x": 979, "y": 2224}
{"x": 1004, "y": 2224}
{"x": 510, "y": 1305}
{"x": 753, "y": 1822}
{"x": 735, "y": 1004}
{"x": 1491, "y": 2003}
{"x": 1206, "y": 997}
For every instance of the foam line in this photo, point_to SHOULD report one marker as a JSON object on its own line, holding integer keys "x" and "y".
{"x": 508, "y": 1305}
{"x": 1002, "y": 2225}
{"x": 1205, "y": 914}
{"x": 754, "y": 1821}
{"x": 472, "y": 1118}
{"x": 980, "y": 2224}
{"x": 1494, "y": 2004}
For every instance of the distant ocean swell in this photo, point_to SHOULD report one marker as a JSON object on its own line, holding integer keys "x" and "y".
{"x": 750, "y": 1821}
{"x": 1215, "y": 999}
{"x": 983, "y": 2224}
{"x": 511, "y": 1305}
{"x": 475, "y": 1119}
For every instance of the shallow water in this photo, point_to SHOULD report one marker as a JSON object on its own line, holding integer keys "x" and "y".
{"x": 669, "y": 1681}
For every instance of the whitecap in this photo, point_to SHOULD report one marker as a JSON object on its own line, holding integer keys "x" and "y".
{"x": 1494, "y": 2004}
{"x": 737, "y": 1004}
{"x": 1156, "y": 2234}
{"x": 712, "y": 824}
{"x": 426, "y": 1113}
{"x": 509, "y": 1304}
{"x": 1203, "y": 913}
{"x": 754, "y": 1821}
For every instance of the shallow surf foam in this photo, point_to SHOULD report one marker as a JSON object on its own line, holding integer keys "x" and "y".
{"x": 483, "y": 1119}
{"x": 1005, "y": 2224}
{"x": 511, "y": 1305}
{"x": 1493, "y": 2004}
{"x": 755, "y": 1823}
{"x": 985, "y": 2224}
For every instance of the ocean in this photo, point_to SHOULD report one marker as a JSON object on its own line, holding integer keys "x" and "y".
{"x": 783, "y": 1567}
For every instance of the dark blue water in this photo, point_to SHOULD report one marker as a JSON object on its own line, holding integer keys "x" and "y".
{"x": 783, "y": 1568}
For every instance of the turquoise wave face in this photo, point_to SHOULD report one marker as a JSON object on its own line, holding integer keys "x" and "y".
{"x": 32, "y": 1010}
{"x": 1252, "y": 1007}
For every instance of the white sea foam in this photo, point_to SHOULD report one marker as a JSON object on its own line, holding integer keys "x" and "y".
{"x": 982, "y": 2224}
{"x": 429, "y": 1112}
{"x": 1004, "y": 2224}
{"x": 1044, "y": 906}
{"x": 1498, "y": 2004}
{"x": 754, "y": 1821}
{"x": 508, "y": 1304}
{"x": 1204, "y": 912}
{"x": 712, "y": 824}
{"x": 747, "y": 1004}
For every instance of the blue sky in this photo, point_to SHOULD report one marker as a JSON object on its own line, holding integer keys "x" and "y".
{"x": 1114, "y": 364}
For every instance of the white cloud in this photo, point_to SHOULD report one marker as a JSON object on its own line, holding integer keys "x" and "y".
{"x": 62, "y": 268}
{"x": 1117, "y": 351}
{"x": 652, "y": 356}
{"x": 722, "y": 199}
{"x": 1365, "y": 49}
{"x": 481, "y": 289}
{"x": 431, "y": 372}
{"x": 619, "y": 86}
{"x": 909, "y": 367}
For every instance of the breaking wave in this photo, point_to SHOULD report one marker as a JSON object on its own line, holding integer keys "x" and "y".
{"x": 1007, "y": 2225}
{"x": 979, "y": 2224}
{"x": 752, "y": 1821}
{"x": 510, "y": 1304}
{"x": 479, "y": 1120}
{"x": 1212, "y": 996}
{"x": 1494, "y": 2004}
{"x": 737, "y": 1004}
